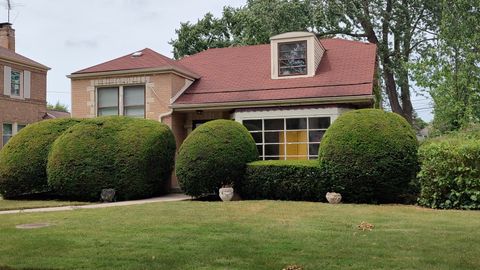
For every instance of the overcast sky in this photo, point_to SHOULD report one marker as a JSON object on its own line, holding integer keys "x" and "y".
{"x": 69, "y": 35}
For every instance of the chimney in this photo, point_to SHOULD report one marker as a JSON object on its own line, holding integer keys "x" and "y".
{"x": 7, "y": 36}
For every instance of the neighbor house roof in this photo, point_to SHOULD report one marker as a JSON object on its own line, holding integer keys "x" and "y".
{"x": 145, "y": 59}
{"x": 12, "y": 56}
{"x": 242, "y": 74}
{"x": 52, "y": 114}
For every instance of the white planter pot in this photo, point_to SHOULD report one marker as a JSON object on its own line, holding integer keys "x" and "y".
{"x": 333, "y": 197}
{"x": 226, "y": 194}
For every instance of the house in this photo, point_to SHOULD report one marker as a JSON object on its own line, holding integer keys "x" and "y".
{"x": 286, "y": 93}
{"x": 23, "y": 82}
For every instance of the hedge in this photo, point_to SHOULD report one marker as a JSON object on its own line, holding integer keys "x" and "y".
{"x": 133, "y": 156}
{"x": 284, "y": 180}
{"x": 370, "y": 156}
{"x": 450, "y": 173}
{"x": 23, "y": 160}
{"x": 213, "y": 155}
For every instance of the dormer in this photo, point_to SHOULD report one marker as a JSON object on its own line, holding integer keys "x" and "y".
{"x": 295, "y": 55}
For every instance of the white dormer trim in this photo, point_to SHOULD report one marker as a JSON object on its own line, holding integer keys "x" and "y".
{"x": 315, "y": 51}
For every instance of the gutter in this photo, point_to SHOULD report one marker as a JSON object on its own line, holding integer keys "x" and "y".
{"x": 273, "y": 103}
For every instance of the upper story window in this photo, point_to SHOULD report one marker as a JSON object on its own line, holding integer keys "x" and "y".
{"x": 121, "y": 100}
{"x": 292, "y": 58}
{"x": 15, "y": 83}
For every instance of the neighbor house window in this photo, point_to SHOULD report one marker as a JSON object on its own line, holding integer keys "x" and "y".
{"x": 7, "y": 132}
{"x": 20, "y": 127}
{"x": 15, "y": 83}
{"x": 292, "y": 58}
{"x": 134, "y": 101}
{"x": 288, "y": 138}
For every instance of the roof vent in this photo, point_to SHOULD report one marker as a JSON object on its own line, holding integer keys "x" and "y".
{"x": 137, "y": 54}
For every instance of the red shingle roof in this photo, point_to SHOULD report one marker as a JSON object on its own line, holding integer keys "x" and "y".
{"x": 148, "y": 59}
{"x": 15, "y": 57}
{"x": 239, "y": 74}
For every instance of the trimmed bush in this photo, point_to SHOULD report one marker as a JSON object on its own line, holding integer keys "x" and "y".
{"x": 213, "y": 155}
{"x": 450, "y": 173}
{"x": 23, "y": 160}
{"x": 133, "y": 156}
{"x": 370, "y": 156}
{"x": 284, "y": 180}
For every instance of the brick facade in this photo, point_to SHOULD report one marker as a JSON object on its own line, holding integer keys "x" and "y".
{"x": 23, "y": 111}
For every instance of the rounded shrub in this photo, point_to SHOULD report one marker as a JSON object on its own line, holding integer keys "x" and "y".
{"x": 213, "y": 155}
{"x": 133, "y": 156}
{"x": 450, "y": 172}
{"x": 284, "y": 180}
{"x": 23, "y": 160}
{"x": 370, "y": 156}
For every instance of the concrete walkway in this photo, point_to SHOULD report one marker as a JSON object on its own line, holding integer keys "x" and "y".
{"x": 167, "y": 198}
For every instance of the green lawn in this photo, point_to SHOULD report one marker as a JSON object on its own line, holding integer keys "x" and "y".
{"x": 243, "y": 235}
{"x": 27, "y": 204}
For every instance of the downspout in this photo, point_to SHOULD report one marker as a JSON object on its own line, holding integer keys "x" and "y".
{"x": 161, "y": 116}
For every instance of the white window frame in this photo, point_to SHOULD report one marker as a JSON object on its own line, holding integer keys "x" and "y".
{"x": 285, "y": 143}
{"x": 307, "y": 112}
{"x": 15, "y": 130}
{"x": 20, "y": 83}
{"x": 120, "y": 101}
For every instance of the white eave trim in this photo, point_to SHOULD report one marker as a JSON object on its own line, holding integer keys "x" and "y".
{"x": 180, "y": 72}
{"x": 180, "y": 92}
{"x": 271, "y": 103}
{"x": 23, "y": 64}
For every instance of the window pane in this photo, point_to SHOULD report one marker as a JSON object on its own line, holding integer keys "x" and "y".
{"x": 297, "y": 149}
{"x": 316, "y": 136}
{"x": 260, "y": 150}
{"x": 257, "y": 136}
{"x": 134, "y": 95}
{"x": 7, "y": 133}
{"x": 319, "y": 122}
{"x": 20, "y": 127}
{"x": 313, "y": 148}
{"x": 107, "y": 111}
{"x": 7, "y": 129}
{"x": 107, "y": 97}
{"x": 274, "y": 124}
{"x": 292, "y": 58}
{"x": 253, "y": 125}
{"x": 15, "y": 83}
{"x": 274, "y": 137}
{"x": 134, "y": 111}
{"x": 274, "y": 149}
{"x": 296, "y": 136}
{"x": 296, "y": 123}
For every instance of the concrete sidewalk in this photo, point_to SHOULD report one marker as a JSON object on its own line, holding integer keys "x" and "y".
{"x": 167, "y": 198}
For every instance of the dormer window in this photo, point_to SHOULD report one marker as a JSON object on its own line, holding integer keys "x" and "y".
{"x": 295, "y": 55}
{"x": 292, "y": 58}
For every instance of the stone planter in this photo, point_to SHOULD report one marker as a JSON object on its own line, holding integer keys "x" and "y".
{"x": 226, "y": 193}
{"x": 333, "y": 197}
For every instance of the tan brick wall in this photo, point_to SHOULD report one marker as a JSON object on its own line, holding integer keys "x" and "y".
{"x": 23, "y": 111}
{"x": 158, "y": 91}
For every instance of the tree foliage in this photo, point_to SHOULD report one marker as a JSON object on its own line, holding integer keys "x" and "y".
{"x": 401, "y": 29}
{"x": 450, "y": 70}
{"x": 57, "y": 107}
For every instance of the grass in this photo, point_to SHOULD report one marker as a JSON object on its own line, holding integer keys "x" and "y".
{"x": 243, "y": 235}
{"x": 27, "y": 204}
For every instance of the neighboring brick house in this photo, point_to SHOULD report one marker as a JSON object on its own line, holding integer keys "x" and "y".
{"x": 286, "y": 93}
{"x": 23, "y": 82}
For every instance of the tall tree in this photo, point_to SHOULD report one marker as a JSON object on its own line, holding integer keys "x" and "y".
{"x": 400, "y": 28}
{"x": 450, "y": 71}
